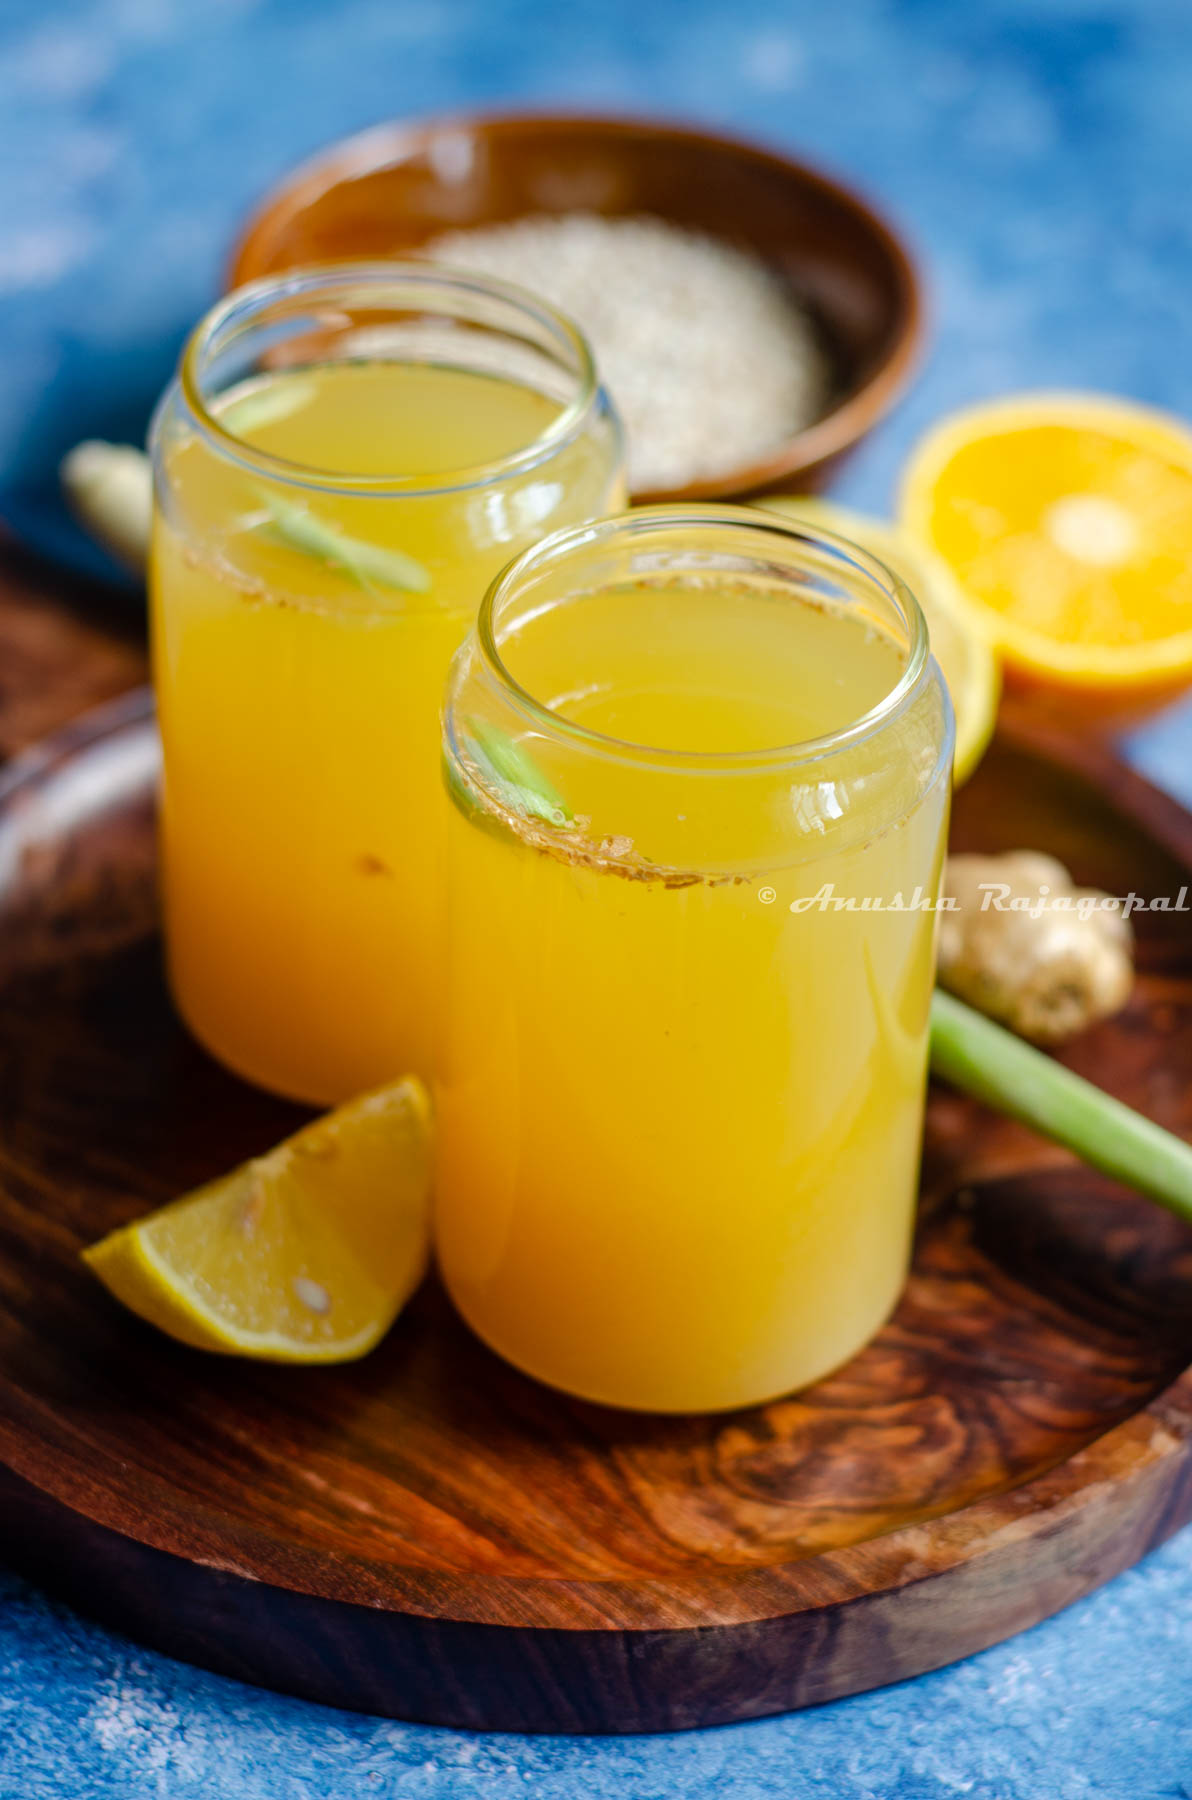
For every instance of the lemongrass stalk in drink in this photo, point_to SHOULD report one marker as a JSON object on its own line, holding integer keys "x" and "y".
{"x": 699, "y": 769}
{"x": 347, "y": 460}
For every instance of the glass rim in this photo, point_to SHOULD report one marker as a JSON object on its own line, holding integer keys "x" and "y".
{"x": 327, "y": 279}
{"x": 643, "y": 520}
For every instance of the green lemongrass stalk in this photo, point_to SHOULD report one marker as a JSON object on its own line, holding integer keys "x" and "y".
{"x": 110, "y": 490}
{"x": 967, "y": 1048}
{"x": 995, "y": 1066}
{"x": 369, "y": 565}
{"x": 512, "y": 772}
{"x": 266, "y": 403}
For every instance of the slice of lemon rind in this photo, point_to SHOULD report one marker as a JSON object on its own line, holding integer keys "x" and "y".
{"x": 304, "y": 1255}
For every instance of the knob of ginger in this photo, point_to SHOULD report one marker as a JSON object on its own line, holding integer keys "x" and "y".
{"x": 1026, "y": 946}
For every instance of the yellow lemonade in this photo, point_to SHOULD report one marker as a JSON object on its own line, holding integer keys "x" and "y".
{"x": 325, "y": 531}
{"x": 681, "y": 1096}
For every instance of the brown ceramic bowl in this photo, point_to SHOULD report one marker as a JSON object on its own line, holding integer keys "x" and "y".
{"x": 389, "y": 190}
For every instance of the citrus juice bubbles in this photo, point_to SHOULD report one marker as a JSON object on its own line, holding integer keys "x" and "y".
{"x": 681, "y": 1097}
{"x": 334, "y": 495}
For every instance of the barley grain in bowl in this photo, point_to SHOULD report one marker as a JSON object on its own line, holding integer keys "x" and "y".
{"x": 828, "y": 287}
{"x": 709, "y": 357}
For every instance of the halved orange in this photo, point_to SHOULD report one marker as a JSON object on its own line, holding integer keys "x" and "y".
{"x": 1067, "y": 518}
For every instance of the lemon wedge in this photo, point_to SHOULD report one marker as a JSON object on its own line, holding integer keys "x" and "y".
{"x": 303, "y": 1255}
{"x": 960, "y": 640}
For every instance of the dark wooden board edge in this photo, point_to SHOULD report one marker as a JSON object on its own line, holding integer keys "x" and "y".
{"x": 1049, "y": 1544}
{"x": 811, "y": 1631}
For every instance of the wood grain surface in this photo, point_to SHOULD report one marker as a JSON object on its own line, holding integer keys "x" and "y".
{"x": 65, "y": 645}
{"x": 431, "y": 1535}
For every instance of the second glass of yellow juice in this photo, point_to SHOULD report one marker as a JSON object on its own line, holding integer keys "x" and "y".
{"x": 347, "y": 458}
{"x": 699, "y": 763}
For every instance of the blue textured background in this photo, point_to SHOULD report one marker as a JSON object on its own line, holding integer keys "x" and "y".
{"x": 1039, "y": 153}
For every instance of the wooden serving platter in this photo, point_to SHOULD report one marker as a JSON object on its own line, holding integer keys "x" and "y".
{"x": 430, "y": 1535}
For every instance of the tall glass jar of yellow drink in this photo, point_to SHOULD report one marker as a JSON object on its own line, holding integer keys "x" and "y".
{"x": 699, "y": 766}
{"x": 346, "y": 460}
